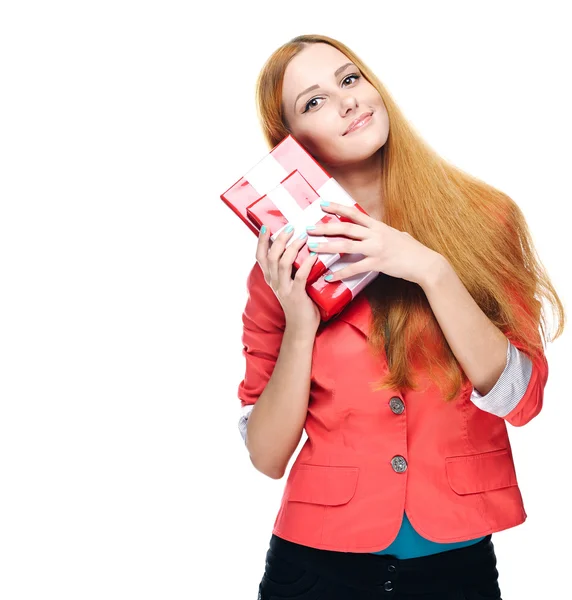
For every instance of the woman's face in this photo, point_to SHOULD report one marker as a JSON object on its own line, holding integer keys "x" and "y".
{"x": 318, "y": 118}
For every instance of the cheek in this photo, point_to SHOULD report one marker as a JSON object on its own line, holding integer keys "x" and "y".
{"x": 373, "y": 99}
{"x": 318, "y": 137}
{"x": 326, "y": 150}
{"x": 380, "y": 107}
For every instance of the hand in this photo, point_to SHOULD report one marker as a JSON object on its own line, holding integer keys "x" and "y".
{"x": 300, "y": 310}
{"x": 385, "y": 249}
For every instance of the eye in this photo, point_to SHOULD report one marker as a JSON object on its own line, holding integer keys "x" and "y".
{"x": 307, "y": 107}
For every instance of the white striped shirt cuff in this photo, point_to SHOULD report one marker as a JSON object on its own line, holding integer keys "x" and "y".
{"x": 510, "y": 386}
{"x": 245, "y": 413}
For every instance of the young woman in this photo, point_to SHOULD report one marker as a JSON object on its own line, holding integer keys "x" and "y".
{"x": 405, "y": 395}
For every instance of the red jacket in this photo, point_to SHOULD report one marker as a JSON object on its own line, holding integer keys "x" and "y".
{"x": 371, "y": 455}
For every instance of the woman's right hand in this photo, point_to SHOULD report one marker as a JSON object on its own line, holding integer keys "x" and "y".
{"x": 300, "y": 311}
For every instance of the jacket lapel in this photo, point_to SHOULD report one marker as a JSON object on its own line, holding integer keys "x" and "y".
{"x": 358, "y": 313}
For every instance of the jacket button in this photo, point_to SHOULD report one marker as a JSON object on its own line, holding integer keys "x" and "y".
{"x": 391, "y": 568}
{"x": 388, "y": 586}
{"x": 399, "y": 464}
{"x": 396, "y": 405}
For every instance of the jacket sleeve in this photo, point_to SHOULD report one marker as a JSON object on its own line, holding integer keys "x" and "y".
{"x": 532, "y": 399}
{"x": 510, "y": 388}
{"x": 518, "y": 394}
{"x": 263, "y": 329}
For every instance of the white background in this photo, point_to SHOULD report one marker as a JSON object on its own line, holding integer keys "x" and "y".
{"x": 122, "y": 273}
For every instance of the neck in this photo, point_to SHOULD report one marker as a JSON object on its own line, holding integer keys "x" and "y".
{"x": 362, "y": 181}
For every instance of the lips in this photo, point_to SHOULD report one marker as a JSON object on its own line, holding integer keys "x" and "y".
{"x": 356, "y": 121}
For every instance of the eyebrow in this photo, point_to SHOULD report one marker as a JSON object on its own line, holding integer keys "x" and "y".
{"x": 313, "y": 87}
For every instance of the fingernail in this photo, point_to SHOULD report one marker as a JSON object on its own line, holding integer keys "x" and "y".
{"x": 328, "y": 277}
{"x": 302, "y": 235}
{"x": 289, "y": 228}
{"x": 263, "y": 229}
{"x": 312, "y": 254}
{"x": 325, "y": 203}
{"x": 313, "y": 245}
{"x": 310, "y": 227}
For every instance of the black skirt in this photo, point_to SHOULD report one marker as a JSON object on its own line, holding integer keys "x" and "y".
{"x": 297, "y": 572}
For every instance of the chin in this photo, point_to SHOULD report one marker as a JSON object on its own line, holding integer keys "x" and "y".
{"x": 365, "y": 144}
{"x": 346, "y": 150}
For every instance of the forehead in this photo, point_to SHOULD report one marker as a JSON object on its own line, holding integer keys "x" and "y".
{"x": 315, "y": 64}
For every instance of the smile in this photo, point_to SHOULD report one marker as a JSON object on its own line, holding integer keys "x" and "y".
{"x": 360, "y": 124}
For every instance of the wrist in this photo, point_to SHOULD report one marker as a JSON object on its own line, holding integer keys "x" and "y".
{"x": 300, "y": 334}
{"x": 435, "y": 267}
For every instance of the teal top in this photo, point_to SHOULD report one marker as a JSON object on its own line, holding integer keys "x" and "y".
{"x": 409, "y": 544}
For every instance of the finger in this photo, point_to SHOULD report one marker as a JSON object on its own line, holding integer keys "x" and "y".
{"x": 279, "y": 244}
{"x": 341, "y": 246}
{"x": 301, "y": 277}
{"x": 355, "y": 212}
{"x": 362, "y": 266}
{"x": 288, "y": 258}
{"x": 262, "y": 252}
{"x": 275, "y": 253}
{"x": 349, "y": 230}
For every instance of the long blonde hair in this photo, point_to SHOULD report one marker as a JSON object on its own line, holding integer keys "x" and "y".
{"x": 479, "y": 229}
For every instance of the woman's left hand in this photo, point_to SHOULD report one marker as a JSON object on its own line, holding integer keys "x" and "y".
{"x": 385, "y": 249}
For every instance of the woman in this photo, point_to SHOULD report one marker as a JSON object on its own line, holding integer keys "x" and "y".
{"x": 407, "y": 470}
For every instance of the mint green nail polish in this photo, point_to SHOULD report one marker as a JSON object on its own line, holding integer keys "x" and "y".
{"x": 263, "y": 229}
{"x": 313, "y": 245}
{"x": 312, "y": 254}
{"x": 325, "y": 203}
{"x": 328, "y": 277}
{"x": 289, "y": 228}
{"x": 302, "y": 235}
{"x": 310, "y": 227}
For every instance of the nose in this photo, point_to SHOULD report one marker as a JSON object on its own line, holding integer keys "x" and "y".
{"x": 349, "y": 102}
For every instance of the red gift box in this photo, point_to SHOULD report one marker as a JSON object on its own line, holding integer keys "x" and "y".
{"x": 295, "y": 202}
{"x": 332, "y": 298}
{"x": 283, "y": 159}
{"x": 273, "y": 170}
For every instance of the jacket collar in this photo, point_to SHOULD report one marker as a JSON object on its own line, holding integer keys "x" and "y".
{"x": 358, "y": 313}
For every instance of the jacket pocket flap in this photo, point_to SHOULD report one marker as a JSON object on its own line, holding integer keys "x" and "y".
{"x": 330, "y": 485}
{"x": 474, "y": 473}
